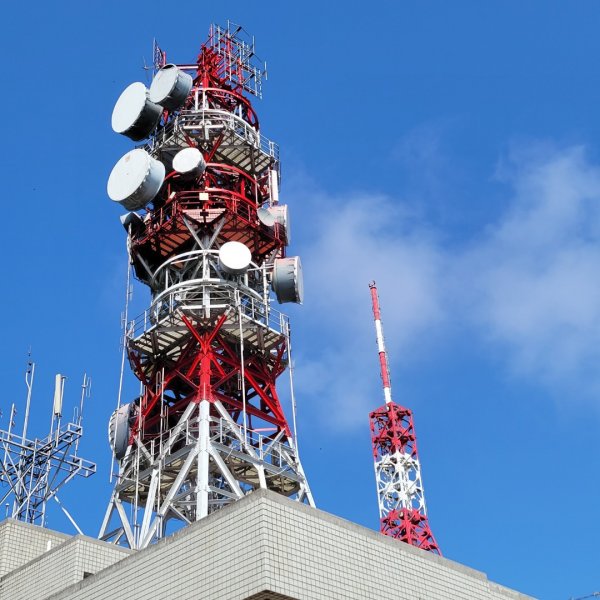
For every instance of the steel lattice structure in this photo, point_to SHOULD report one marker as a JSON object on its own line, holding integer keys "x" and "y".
{"x": 33, "y": 470}
{"x": 402, "y": 510}
{"x": 208, "y": 427}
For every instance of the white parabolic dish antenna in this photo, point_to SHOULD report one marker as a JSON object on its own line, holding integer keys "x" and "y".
{"x": 134, "y": 116}
{"x": 266, "y": 217}
{"x": 190, "y": 162}
{"x": 170, "y": 87}
{"x": 135, "y": 179}
{"x": 118, "y": 430}
{"x": 234, "y": 257}
{"x": 288, "y": 281}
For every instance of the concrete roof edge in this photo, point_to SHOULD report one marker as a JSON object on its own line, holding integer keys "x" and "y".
{"x": 72, "y": 541}
{"x": 10, "y": 522}
{"x": 252, "y": 498}
{"x": 269, "y": 497}
{"x": 374, "y": 535}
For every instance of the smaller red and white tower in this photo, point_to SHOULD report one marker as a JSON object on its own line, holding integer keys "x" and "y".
{"x": 402, "y": 510}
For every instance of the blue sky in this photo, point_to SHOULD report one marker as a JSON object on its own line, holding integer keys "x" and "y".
{"x": 448, "y": 150}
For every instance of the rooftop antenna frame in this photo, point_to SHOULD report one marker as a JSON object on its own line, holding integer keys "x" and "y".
{"x": 36, "y": 469}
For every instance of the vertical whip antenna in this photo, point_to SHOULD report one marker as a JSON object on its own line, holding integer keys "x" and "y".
{"x": 383, "y": 358}
{"x": 29, "y": 376}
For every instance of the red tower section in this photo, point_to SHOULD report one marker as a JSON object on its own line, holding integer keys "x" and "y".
{"x": 402, "y": 509}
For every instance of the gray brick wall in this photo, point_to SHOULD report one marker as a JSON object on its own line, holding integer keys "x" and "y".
{"x": 266, "y": 547}
{"x": 313, "y": 555}
{"x": 21, "y": 542}
{"x": 213, "y": 559}
{"x": 59, "y": 568}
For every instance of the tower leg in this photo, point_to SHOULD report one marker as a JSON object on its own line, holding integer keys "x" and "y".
{"x": 205, "y": 463}
{"x": 203, "y": 460}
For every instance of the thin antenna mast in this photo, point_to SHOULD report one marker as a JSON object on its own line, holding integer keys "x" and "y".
{"x": 383, "y": 358}
{"x": 29, "y": 376}
{"x": 86, "y": 390}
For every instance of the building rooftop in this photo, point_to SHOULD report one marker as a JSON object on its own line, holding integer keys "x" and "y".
{"x": 263, "y": 547}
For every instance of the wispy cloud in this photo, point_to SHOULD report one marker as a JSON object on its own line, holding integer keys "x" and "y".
{"x": 538, "y": 270}
{"x": 357, "y": 238}
{"x": 528, "y": 285}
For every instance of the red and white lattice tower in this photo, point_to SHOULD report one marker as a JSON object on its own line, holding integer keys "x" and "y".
{"x": 402, "y": 510}
{"x": 208, "y": 236}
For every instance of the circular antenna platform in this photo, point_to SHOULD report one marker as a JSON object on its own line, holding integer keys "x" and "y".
{"x": 234, "y": 257}
{"x": 170, "y": 87}
{"x": 134, "y": 115}
{"x": 135, "y": 179}
{"x": 189, "y": 162}
{"x": 266, "y": 217}
{"x": 288, "y": 282}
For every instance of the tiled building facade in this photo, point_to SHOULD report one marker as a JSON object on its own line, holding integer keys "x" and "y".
{"x": 263, "y": 547}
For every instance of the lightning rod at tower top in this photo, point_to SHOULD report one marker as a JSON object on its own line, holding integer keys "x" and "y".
{"x": 400, "y": 495}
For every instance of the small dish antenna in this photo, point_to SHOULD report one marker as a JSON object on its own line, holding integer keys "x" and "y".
{"x": 189, "y": 162}
{"x": 170, "y": 87}
{"x": 135, "y": 179}
{"x": 119, "y": 430}
{"x": 266, "y": 217}
{"x": 235, "y": 258}
{"x": 132, "y": 221}
{"x": 288, "y": 281}
{"x": 134, "y": 115}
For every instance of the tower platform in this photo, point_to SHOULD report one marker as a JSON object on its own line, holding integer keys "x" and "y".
{"x": 262, "y": 547}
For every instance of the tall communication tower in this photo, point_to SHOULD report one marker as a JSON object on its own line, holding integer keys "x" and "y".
{"x": 402, "y": 510}
{"x": 208, "y": 236}
{"x": 33, "y": 470}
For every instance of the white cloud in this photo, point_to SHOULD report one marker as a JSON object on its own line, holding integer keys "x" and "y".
{"x": 537, "y": 271}
{"x": 357, "y": 239}
{"x": 528, "y": 285}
